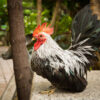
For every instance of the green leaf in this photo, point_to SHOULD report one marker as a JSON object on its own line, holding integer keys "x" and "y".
{"x": 27, "y": 11}
{"x": 27, "y": 4}
{"x": 3, "y": 27}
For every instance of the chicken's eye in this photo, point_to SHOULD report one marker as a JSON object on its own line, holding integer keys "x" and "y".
{"x": 40, "y": 35}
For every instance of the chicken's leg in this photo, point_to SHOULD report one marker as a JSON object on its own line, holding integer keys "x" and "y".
{"x": 50, "y": 90}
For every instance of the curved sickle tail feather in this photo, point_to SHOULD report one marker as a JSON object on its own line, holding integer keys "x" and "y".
{"x": 86, "y": 33}
{"x": 85, "y": 41}
{"x": 86, "y": 26}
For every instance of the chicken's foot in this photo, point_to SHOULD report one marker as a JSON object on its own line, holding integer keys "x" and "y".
{"x": 50, "y": 91}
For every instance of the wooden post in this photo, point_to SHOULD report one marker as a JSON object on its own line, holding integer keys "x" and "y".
{"x": 23, "y": 75}
{"x": 55, "y": 12}
{"x": 39, "y": 10}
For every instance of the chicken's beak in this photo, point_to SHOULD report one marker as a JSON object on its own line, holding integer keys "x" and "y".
{"x": 33, "y": 38}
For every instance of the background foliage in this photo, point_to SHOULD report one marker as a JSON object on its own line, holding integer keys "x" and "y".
{"x": 62, "y": 25}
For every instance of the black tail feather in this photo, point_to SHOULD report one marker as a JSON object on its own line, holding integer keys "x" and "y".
{"x": 85, "y": 25}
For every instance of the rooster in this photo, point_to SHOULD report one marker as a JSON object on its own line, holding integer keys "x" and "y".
{"x": 67, "y": 69}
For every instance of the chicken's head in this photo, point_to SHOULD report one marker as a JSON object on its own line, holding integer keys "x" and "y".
{"x": 40, "y": 34}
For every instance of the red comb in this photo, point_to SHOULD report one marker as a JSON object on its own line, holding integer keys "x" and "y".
{"x": 43, "y": 28}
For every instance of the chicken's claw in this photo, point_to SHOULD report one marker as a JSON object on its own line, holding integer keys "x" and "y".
{"x": 49, "y": 91}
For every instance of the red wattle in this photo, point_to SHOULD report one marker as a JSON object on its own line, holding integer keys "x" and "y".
{"x": 38, "y": 44}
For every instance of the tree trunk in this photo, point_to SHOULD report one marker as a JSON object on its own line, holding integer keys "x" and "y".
{"x": 23, "y": 75}
{"x": 55, "y": 12}
{"x": 95, "y": 7}
{"x": 39, "y": 10}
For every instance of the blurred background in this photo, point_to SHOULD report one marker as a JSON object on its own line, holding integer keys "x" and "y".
{"x": 58, "y": 13}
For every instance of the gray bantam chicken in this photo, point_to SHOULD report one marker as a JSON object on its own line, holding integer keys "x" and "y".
{"x": 67, "y": 69}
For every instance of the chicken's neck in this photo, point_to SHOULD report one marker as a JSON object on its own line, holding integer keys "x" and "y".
{"x": 49, "y": 47}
